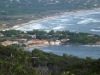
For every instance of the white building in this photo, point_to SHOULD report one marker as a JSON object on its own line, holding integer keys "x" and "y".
{"x": 15, "y": 42}
{"x": 52, "y": 43}
{"x": 5, "y": 43}
{"x": 57, "y": 42}
{"x": 46, "y": 42}
{"x": 1, "y": 35}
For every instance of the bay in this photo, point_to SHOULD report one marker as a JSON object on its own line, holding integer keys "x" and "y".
{"x": 87, "y": 21}
{"x": 81, "y": 51}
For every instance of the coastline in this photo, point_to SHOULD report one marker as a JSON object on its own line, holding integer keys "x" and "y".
{"x": 46, "y": 45}
{"x": 46, "y": 18}
{"x": 50, "y": 17}
{"x": 36, "y": 46}
{"x": 33, "y": 21}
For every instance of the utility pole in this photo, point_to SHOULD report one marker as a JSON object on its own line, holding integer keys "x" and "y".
{"x": 33, "y": 59}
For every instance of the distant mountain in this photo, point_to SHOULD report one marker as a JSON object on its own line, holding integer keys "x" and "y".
{"x": 10, "y": 7}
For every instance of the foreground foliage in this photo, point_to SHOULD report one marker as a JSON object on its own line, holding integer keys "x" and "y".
{"x": 15, "y": 61}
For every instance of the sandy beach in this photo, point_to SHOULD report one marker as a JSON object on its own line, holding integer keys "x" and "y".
{"x": 46, "y": 18}
{"x": 33, "y": 21}
{"x": 36, "y": 46}
{"x": 50, "y": 17}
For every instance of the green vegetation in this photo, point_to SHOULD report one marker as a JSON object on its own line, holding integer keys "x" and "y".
{"x": 15, "y": 61}
{"x": 84, "y": 38}
{"x": 74, "y": 38}
{"x": 30, "y": 6}
{"x": 67, "y": 64}
{"x": 14, "y": 12}
{"x": 70, "y": 37}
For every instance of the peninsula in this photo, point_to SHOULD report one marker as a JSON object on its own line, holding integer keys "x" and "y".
{"x": 37, "y": 38}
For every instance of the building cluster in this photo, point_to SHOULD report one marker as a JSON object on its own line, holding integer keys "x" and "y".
{"x": 29, "y": 43}
{"x": 1, "y": 35}
{"x": 32, "y": 42}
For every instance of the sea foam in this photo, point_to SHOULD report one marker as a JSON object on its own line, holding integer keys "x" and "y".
{"x": 32, "y": 26}
{"x": 88, "y": 20}
{"x": 58, "y": 27}
{"x": 95, "y": 30}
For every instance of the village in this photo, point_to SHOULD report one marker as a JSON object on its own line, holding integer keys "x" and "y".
{"x": 36, "y": 38}
{"x": 33, "y": 42}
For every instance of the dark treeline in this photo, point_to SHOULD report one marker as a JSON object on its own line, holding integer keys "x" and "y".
{"x": 15, "y": 61}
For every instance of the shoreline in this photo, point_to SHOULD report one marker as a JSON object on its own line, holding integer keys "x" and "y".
{"x": 33, "y": 21}
{"x": 46, "y": 18}
{"x": 35, "y": 46}
{"x": 50, "y": 17}
{"x": 43, "y": 45}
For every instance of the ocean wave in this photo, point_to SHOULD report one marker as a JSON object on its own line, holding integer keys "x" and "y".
{"x": 91, "y": 12}
{"x": 53, "y": 23}
{"x": 98, "y": 27}
{"x": 84, "y": 21}
{"x": 37, "y": 26}
{"x": 58, "y": 27}
{"x": 95, "y": 30}
{"x": 32, "y": 26}
{"x": 89, "y": 20}
{"x": 64, "y": 20}
{"x": 96, "y": 20}
{"x": 95, "y": 12}
{"x": 68, "y": 24}
{"x": 86, "y": 14}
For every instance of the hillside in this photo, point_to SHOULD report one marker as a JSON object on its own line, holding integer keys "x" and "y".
{"x": 14, "y": 61}
{"x": 34, "y": 6}
{"x": 20, "y": 11}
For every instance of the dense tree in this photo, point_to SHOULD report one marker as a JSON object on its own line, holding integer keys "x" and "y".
{"x": 74, "y": 38}
{"x": 15, "y": 61}
{"x": 51, "y": 32}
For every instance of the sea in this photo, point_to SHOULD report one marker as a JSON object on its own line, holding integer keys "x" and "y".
{"x": 87, "y": 21}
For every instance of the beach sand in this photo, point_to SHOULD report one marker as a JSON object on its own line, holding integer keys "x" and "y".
{"x": 34, "y": 21}
{"x": 45, "y": 18}
{"x": 36, "y": 46}
{"x": 50, "y": 17}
